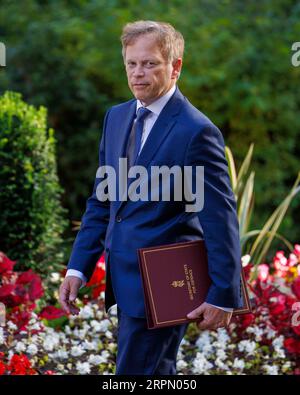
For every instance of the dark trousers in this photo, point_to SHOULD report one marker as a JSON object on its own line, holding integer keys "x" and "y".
{"x": 144, "y": 351}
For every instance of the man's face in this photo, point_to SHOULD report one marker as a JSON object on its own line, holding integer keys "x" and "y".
{"x": 149, "y": 75}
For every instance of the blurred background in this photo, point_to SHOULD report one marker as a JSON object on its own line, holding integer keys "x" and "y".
{"x": 66, "y": 57}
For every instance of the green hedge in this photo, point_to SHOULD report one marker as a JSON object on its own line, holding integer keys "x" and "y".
{"x": 31, "y": 217}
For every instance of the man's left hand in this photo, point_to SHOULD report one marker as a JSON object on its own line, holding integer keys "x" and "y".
{"x": 210, "y": 317}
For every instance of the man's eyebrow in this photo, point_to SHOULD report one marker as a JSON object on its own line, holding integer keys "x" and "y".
{"x": 143, "y": 60}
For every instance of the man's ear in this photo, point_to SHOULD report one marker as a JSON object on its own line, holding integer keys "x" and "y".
{"x": 177, "y": 64}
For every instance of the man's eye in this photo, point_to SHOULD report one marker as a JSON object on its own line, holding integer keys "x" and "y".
{"x": 130, "y": 64}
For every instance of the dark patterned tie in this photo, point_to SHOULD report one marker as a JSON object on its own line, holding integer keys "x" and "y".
{"x": 135, "y": 138}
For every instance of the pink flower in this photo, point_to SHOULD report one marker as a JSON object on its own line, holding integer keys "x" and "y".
{"x": 293, "y": 260}
{"x": 297, "y": 250}
{"x": 263, "y": 272}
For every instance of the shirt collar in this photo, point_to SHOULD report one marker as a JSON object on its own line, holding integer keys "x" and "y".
{"x": 157, "y": 106}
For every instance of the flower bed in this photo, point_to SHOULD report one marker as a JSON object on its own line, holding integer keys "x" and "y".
{"x": 46, "y": 341}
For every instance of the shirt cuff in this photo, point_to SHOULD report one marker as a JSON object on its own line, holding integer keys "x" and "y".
{"x": 77, "y": 273}
{"x": 228, "y": 309}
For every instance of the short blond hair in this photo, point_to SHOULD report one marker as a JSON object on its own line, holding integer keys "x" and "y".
{"x": 170, "y": 41}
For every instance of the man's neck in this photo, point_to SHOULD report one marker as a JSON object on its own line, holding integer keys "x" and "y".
{"x": 172, "y": 88}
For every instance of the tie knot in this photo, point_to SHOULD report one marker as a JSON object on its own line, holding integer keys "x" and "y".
{"x": 142, "y": 113}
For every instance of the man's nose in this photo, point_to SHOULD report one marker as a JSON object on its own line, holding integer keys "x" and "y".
{"x": 139, "y": 71}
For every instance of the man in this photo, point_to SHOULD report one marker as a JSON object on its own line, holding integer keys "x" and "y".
{"x": 172, "y": 132}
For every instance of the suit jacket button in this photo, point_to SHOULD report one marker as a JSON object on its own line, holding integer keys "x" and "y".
{"x": 118, "y": 219}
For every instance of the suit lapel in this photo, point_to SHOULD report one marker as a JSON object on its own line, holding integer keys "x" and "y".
{"x": 161, "y": 128}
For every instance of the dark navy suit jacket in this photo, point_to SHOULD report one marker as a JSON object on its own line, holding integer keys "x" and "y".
{"x": 182, "y": 136}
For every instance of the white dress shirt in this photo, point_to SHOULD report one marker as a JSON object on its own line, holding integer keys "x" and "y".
{"x": 155, "y": 108}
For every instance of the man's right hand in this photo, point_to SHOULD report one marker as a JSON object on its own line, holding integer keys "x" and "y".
{"x": 67, "y": 294}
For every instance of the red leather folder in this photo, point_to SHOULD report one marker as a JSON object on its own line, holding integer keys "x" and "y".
{"x": 175, "y": 281}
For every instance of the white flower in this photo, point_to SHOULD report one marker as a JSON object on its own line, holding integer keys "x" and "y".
{"x": 238, "y": 364}
{"x": 61, "y": 354}
{"x": 247, "y": 345}
{"x": 271, "y": 370}
{"x": 96, "y": 359}
{"x": 12, "y": 326}
{"x": 221, "y": 354}
{"x": 99, "y": 315}
{"x": 55, "y": 277}
{"x": 109, "y": 335}
{"x": 67, "y": 330}
{"x": 77, "y": 351}
{"x": 258, "y": 332}
{"x": 2, "y": 336}
{"x": 245, "y": 260}
{"x": 50, "y": 342}
{"x": 35, "y": 326}
{"x": 105, "y": 354}
{"x": 86, "y": 312}
{"x": 201, "y": 364}
{"x": 271, "y": 333}
{"x": 89, "y": 345}
{"x": 278, "y": 346}
{"x": 222, "y": 335}
{"x": 20, "y": 347}
{"x": 181, "y": 364}
{"x": 82, "y": 333}
{"x": 32, "y": 349}
{"x": 278, "y": 342}
{"x": 104, "y": 325}
{"x": 220, "y": 364}
{"x": 60, "y": 367}
{"x": 95, "y": 325}
{"x": 203, "y": 340}
{"x": 83, "y": 367}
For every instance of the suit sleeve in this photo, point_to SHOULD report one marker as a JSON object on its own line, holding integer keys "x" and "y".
{"x": 89, "y": 243}
{"x": 217, "y": 217}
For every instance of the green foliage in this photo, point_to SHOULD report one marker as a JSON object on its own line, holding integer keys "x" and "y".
{"x": 237, "y": 70}
{"x": 31, "y": 216}
{"x": 243, "y": 188}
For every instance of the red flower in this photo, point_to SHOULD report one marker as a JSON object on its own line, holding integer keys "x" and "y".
{"x": 2, "y": 368}
{"x": 6, "y": 265}
{"x": 9, "y": 297}
{"x": 21, "y": 315}
{"x": 32, "y": 283}
{"x": 51, "y": 313}
{"x": 20, "y": 365}
{"x": 292, "y": 345}
{"x": 97, "y": 280}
